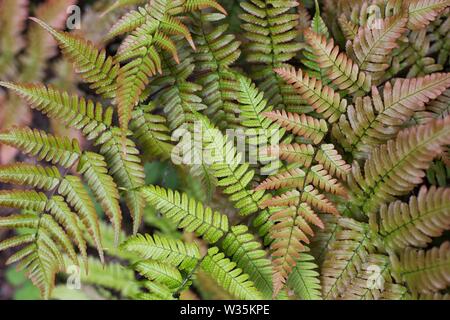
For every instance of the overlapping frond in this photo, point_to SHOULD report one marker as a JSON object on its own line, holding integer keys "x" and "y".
{"x": 188, "y": 213}
{"x": 404, "y": 161}
{"x": 228, "y": 276}
{"x": 340, "y": 69}
{"x": 415, "y": 223}
{"x": 270, "y": 28}
{"x": 425, "y": 271}
{"x": 94, "y": 170}
{"x": 124, "y": 164}
{"x": 300, "y": 124}
{"x": 174, "y": 252}
{"x": 140, "y": 50}
{"x": 85, "y": 115}
{"x": 322, "y": 98}
{"x": 246, "y": 252}
{"x": 345, "y": 257}
{"x": 93, "y": 65}
{"x": 372, "y": 46}
{"x": 217, "y": 50}
{"x": 304, "y": 279}
{"x": 373, "y": 121}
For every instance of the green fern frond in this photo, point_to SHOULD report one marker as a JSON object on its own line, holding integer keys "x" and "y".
{"x": 216, "y": 52}
{"x": 175, "y": 252}
{"x": 57, "y": 150}
{"x": 160, "y": 272}
{"x": 233, "y": 174}
{"x": 228, "y": 276}
{"x": 241, "y": 247}
{"x": 270, "y": 28}
{"x": 304, "y": 279}
{"x": 124, "y": 164}
{"x": 94, "y": 170}
{"x": 187, "y": 213}
{"x": 94, "y": 66}
{"x": 85, "y": 115}
{"x": 151, "y": 133}
{"x": 46, "y": 178}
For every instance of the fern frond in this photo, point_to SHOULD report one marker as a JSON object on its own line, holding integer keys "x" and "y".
{"x": 422, "y": 12}
{"x": 216, "y": 52}
{"x": 289, "y": 233}
{"x": 93, "y": 65}
{"x": 85, "y": 115}
{"x": 332, "y": 161}
{"x": 127, "y": 170}
{"x": 151, "y": 132}
{"x": 340, "y": 69}
{"x": 94, "y": 170}
{"x": 160, "y": 272}
{"x": 322, "y": 98}
{"x": 372, "y": 47}
{"x": 424, "y": 271}
{"x": 413, "y": 224}
{"x": 294, "y": 178}
{"x": 232, "y": 173}
{"x": 304, "y": 279}
{"x": 141, "y": 50}
{"x": 175, "y": 252}
{"x": 373, "y": 281}
{"x": 345, "y": 258}
{"x": 73, "y": 190}
{"x": 228, "y": 276}
{"x": 242, "y": 248}
{"x": 300, "y": 124}
{"x": 404, "y": 161}
{"x": 187, "y": 213}
{"x": 57, "y": 150}
{"x": 374, "y": 121}
{"x": 302, "y": 154}
{"x": 270, "y": 28}
{"x": 46, "y": 178}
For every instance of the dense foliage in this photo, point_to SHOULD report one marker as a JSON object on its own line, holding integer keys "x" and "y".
{"x": 342, "y": 191}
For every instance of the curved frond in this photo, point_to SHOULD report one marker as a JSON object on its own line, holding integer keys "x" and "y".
{"x": 228, "y": 276}
{"x": 44, "y": 146}
{"x": 415, "y": 223}
{"x": 187, "y": 213}
{"x": 246, "y": 252}
{"x": 404, "y": 161}
{"x": 93, "y": 65}
{"x": 175, "y": 252}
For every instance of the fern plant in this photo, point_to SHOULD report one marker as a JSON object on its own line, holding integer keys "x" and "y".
{"x": 341, "y": 194}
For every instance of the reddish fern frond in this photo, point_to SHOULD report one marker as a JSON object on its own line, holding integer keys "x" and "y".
{"x": 372, "y": 46}
{"x": 320, "y": 178}
{"x": 300, "y": 124}
{"x": 422, "y": 12}
{"x": 344, "y": 73}
{"x": 301, "y": 154}
{"x": 322, "y": 98}
{"x": 404, "y": 160}
{"x": 332, "y": 161}
{"x": 290, "y": 179}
